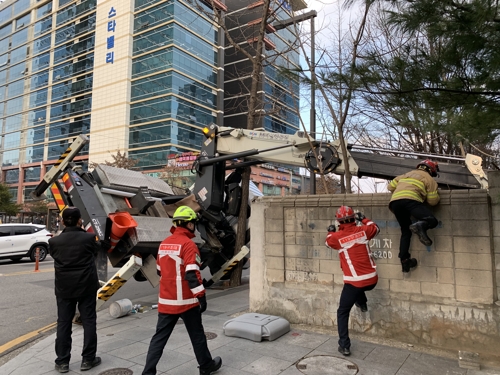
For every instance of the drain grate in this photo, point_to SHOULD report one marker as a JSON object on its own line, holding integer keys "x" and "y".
{"x": 118, "y": 371}
{"x": 210, "y": 335}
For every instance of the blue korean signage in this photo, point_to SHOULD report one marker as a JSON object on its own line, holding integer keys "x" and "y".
{"x": 110, "y": 40}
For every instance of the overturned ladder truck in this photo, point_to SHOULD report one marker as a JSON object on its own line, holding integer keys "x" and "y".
{"x": 131, "y": 212}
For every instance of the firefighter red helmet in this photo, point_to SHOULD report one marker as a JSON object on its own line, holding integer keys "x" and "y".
{"x": 344, "y": 213}
{"x": 432, "y": 166}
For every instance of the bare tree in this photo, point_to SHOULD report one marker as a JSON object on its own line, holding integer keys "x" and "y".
{"x": 250, "y": 50}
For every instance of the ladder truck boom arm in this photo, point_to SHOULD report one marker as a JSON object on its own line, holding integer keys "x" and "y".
{"x": 298, "y": 150}
{"x": 55, "y": 172}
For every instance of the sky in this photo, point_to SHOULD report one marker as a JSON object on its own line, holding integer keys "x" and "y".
{"x": 328, "y": 16}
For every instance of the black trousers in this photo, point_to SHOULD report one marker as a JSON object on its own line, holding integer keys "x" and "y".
{"x": 66, "y": 308}
{"x": 404, "y": 209}
{"x": 350, "y": 295}
{"x": 164, "y": 328}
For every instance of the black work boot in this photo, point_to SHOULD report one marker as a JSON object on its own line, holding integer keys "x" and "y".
{"x": 87, "y": 365}
{"x": 362, "y": 306}
{"x": 408, "y": 263}
{"x": 344, "y": 351}
{"x": 212, "y": 367}
{"x": 62, "y": 368}
{"x": 420, "y": 229}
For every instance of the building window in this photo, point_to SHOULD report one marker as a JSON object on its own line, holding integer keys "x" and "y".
{"x": 18, "y": 54}
{"x": 6, "y": 14}
{"x": 13, "y": 193}
{"x": 15, "y": 88}
{"x": 65, "y": 33}
{"x": 37, "y": 116}
{"x": 17, "y": 71}
{"x": 39, "y": 80}
{"x": 40, "y": 62}
{"x": 32, "y": 174}
{"x": 13, "y": 123}
{"x": 12, "y": 176}
{"x": 42, "y": 26}
{"x": 19, "y": 38}
{"x": 35, "y": 135}
{"x": 67, "y": 129}
{"x": 12, "y": 140}
{"x": 6, "y": 30}
{"x": 150, "y": 135}
{"x": 44, "y": 10}
{"x": 38, "y": 98}
{"x": 23, "y": 21}
{"x": 20, "y": 6}
{"x": 41, "y": 44}
{"x": 10, "y": 157}
{"x": 34, "y": 154}
{"x": 14, "y": 105}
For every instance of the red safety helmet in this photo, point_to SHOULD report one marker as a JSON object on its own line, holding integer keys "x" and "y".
{"x": 432, "y": 166}
{"x": 344, "y": 213}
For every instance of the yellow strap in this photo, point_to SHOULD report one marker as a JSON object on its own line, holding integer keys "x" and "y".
{"x": 407, "y": 194}
{"x": 414, "y": 182}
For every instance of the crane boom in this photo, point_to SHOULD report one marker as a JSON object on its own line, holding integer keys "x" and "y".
{"x": 298, "y": 150}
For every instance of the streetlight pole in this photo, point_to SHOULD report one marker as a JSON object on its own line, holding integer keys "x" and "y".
{"x": 312, "y": 124}
{"x": 281, "y": 24}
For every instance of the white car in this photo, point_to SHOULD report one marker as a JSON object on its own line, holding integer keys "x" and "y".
{"x": 21, "y": 240}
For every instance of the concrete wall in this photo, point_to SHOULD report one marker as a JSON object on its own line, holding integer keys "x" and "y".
{"x": 450, "y": 300}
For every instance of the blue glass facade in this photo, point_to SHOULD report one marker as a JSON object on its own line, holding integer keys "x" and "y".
{"x": 174, "y": 79}
{"x": 45, "y": 82}
{"x": 47, "y": 77}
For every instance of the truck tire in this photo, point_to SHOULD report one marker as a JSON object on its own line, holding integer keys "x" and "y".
{"x": 42, "y": 253}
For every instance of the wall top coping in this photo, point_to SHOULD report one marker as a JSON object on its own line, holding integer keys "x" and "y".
{"x": 447, "y": 197}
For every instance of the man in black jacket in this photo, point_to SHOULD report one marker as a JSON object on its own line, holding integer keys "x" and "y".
{"x": 76, "y": 283}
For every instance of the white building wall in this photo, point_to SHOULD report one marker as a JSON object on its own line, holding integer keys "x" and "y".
{"x": 109, "y": 129}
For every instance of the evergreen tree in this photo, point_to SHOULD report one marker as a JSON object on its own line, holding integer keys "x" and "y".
{"x": 7, "y": 206}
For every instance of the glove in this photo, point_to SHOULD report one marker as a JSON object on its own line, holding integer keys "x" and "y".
{"x": 331, "y": 228}
{"x": 203, "y": 303}
{"x": 359, "y": 216}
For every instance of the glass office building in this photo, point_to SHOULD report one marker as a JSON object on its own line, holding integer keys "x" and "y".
{"x": 277, "y": 93}
{"x": 141, "y": 76}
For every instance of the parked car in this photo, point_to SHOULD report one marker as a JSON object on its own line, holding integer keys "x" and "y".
{"x": 18, "y": 241}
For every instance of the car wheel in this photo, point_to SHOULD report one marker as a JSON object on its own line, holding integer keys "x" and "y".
{"x": 16, "y": 259}
{"x": 42, "y": 253}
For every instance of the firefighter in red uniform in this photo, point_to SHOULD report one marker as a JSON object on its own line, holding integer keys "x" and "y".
{"x": 182, "y": 294}
{"x": 358, "y": 266}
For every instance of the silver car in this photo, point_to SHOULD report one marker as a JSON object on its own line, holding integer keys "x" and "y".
{"x": 18, "y": 241}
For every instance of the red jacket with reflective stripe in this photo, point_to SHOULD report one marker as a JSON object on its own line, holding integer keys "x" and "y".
{"x": 178, "y": 254}
{"x": 352, "y": 243}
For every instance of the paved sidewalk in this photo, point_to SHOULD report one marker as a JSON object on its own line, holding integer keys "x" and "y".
{"x": 123, "y": 343}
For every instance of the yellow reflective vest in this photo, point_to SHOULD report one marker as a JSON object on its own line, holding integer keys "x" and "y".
{"x": 417, "y": 185}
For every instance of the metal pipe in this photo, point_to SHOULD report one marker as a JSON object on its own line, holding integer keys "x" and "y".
{"x": 236, "y": 155}
{"x": 312, "y": 120}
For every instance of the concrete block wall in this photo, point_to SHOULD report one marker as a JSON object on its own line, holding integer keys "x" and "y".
{"x": 450, "y": 300}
